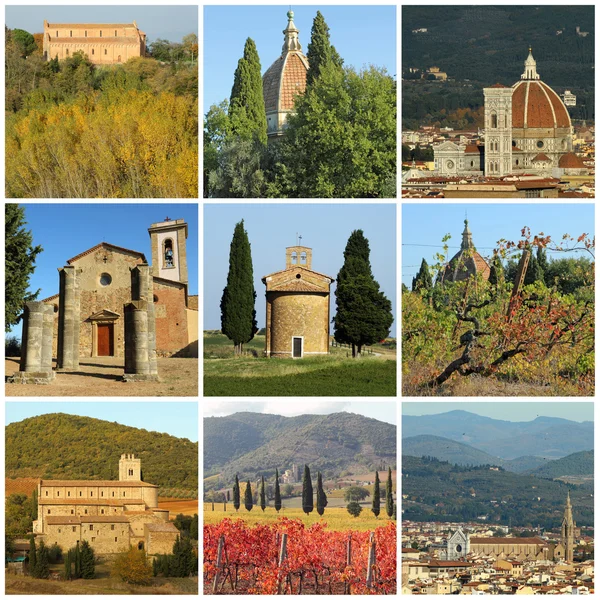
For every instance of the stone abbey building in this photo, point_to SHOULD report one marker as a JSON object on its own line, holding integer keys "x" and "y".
{"x": 104, "y": 43}
{"x": 298, "y": 317}
{"x": 102, "y": 284}
{"x": 110, "y": 515}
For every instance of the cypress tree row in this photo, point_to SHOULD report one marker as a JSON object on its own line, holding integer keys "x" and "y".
{"x": 321, "y": 495}
{"x": 376, "y": 508}
{"x": 43, "y": 563}
{"x": 238, "y": 316}
{"x": 319, "y": 50}
{"x": 248, "y": 502}
{"x": 32, "y": 557}
{"x": 247, "y": 106}
{"x": 88, "y": 569}
{"x": 364, "y": 314}
{"x": 277, "y": 502}
{"x": 389, "y": 495}
{"x": 236, "y": 494}
{"x": 263, "y": 501}
{"x": 307, "y": 492}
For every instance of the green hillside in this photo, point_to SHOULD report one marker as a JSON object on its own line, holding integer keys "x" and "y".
{"x": 438, "y": 491}
{"x": 580, "y": 463}
{"x": 60, "y": 446}
{"x": 253, "y": 443}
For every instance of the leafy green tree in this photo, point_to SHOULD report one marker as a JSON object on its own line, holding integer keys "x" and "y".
{"x": 42, "y": 569}
{"x": 320, "y": 51}
{"x": 24, "y": 42}
{"x": 154, "y": 567}
{"x": 88, "y": 569}
{"x": 236, "y": 494}
{"x": 389, "y": 495}
{"x": 238, "y": 315}
{"x": 321, "y": 495}
{"x": 341, "y": 141}
{"x": 534, "y": 272}
{"x": 194, "y": 528}
{"x": 496, "y": 271}
{"x": 422, "y": 280}
{"x": 356, "y": 494}
{"x": 542, "y": 260}
{"x": 67, "y": 574}
{"x": 277, "y": 501}
{"x": 364, "y": 314}
{"x": 19, "y": 264}
{"x": 354, "y": 508}
{"x": 32, "y": 557}
{"x": 376, "y": 507}
{"x": 9, "y": 546}
{"x": 288, "y": 490}
{"x": 246, "y": 104}
{"x": 307, "y": 492}
{"x": 132, "y": 567}
{"x": 248, "y": 501}
{"x": 263, "y": 501}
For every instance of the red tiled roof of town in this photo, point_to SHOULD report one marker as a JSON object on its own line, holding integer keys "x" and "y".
{"x": 570, "y": 160}
{"x": 507, "y": 540}
{"x": 449, "y": 563}
{"x": 108, "y": 246}
{"x": 474, "y": 148}
{"x": 541, "y": 156}
{"x": 541, "y": 100}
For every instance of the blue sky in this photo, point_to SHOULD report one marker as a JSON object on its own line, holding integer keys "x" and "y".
{"x": 424, "y": 226}
{"x": 66, "y": 230}
{"x": 382, "y": 411}
{"x": 507, "y": 411}
{"x": 362, "y": 35}
{"x": 179, "y": 419}
{"x": 165, "y": 22}
{"x": 272, "y": 227}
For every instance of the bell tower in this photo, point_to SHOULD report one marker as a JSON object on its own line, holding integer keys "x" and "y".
{"x": 567, "y": 531}
{"x": 298, "y": 256}
{"x": 169, "y": 258}
{"x": 498, "y": 130}
{"x": 130, "y": 468}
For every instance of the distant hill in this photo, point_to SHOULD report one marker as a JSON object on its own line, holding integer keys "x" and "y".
{"x": 545, "y": 437}
{"x": 438, "y": 491}
{"x": 457, "y": 453}
{"x": 252, "y": 444}
{"x": 579, "y": 463}
{"x": 61, "y": 446}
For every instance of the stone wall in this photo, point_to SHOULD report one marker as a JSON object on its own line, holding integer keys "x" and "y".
{"x": 160, "y": 539}
{"x": 104, "y": 538}
{"x": 171, "y": 317}
{"x": 94, "y": 492}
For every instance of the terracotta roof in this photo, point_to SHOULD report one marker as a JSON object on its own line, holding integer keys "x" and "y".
{"x": 448, "y": 563}
{"x": 473, "y": 148}
{"x": 95, "y": 40}
{"x": 90, "y": 25}
{"x": 107, "y": 246}
{"x": 50, "y": 298}
{"x": 542, "y": 156}
{"x": 513, "y": 540}
{"x": 535, "y": 184}
{"x": 534, "y": 104}
{"x": 87, "y": 502}
{"x": 86, "y": 519}
{"x": 63, "y": 520}
{"x": 283, "y": 80}
{"x": 162, "y": 527}
{"x": 298, "y": 285}
{"x": 461, "y": 266}
{"x": 570, "y": 160}
{"x": 90, "y": 483}
{"x": 263, "y": 279}
{"x": 498, "y": 85}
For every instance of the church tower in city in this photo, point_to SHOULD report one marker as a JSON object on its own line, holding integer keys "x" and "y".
{"x": 567, "y": 532}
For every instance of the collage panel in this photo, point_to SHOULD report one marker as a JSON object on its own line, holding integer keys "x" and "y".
{"x": 498, "y": 497}
{"x": 505, "y": 308}
{"x": 299, "y": 300}
{"x": 300, "y": 500}
{"x": 120, "y": 318}
{"x": 101, "y": 497}
{"x": 101, "y": 102}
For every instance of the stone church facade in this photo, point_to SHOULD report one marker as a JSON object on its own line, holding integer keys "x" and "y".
{"x": 110, "y": 515}
{"x": 104, "y": 286}
{"x": 103, "y": 43}
{"x": 297, "y": 322}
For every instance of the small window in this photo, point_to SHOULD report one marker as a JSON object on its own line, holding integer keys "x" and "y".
{"x": 70, "y": 34}
{"x": 74, "y": 528}
{"x": 91, "y": 527}
{"x": 105, "y": 52}
{"x": 123, "y": 494}
{"x": 85, "y": 511}
{"x": 85, "y": 34}
{"x": 93, "y": 539}
{"x": 115, "y": 539}
{"x": 112, "y": 527}
{"x": 303, "y": 258}
{"x": 102, "y": 494}
{"x": 115, "y": 36}
{"x": 48, "y": 511}
{"x": 72, "y": 511}
{"x": 540, "y": 144}
{"x": 100, "y": 33}
{"x": 494, "y": 121}
{"x": 46, "y": 493}
{"x": 80, "y": 493}
{"x": 59, "y": 530}
{"x": 57, "y": 34}
{"x": 105, "y": 278}
{"x": 113, "y": 494}
{"x": 102, "y": 512}
{"x": 298, "y": 276}
{"x": 168, "y": 253}
{"x": 91, "y": 493}
{"x": 57, "y": 494}
{"x": 93, "y": 52}
{"x": 130, "y": 472}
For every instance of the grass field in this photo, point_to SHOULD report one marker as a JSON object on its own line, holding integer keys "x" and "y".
{"x": 333, "y": 375}
{"x": 337, "y": 519}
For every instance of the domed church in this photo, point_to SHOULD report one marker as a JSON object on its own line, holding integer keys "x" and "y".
{"x": 527, "y": 130}
{"x": 283, "y": 80}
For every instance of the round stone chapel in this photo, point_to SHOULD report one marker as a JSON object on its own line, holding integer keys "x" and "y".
{"x": 297, "y": 323}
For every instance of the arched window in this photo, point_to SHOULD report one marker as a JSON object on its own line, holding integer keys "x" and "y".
{"x": 505, "y": 121}
{"x": 67, "y": 51}
{"x": 303, "y": 258}
{"x": 119, "y": 58}
{"x": 105, "y": 52}
{"x": 494, "y": 120}
{"x": 168, "y": 253}
{"x": 93, "y": 52}
{"x": 100, "y": 33}
{"x": 85, "y": 34}
{"x": 294, "y": 258}
{"x": 115, "y": 33}
{"x": 70, "y": 34}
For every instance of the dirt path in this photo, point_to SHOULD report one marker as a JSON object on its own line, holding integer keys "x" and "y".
{"x": 101, "y": 377}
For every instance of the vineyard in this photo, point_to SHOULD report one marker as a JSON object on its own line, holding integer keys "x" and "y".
{"x": 287, "y": 557}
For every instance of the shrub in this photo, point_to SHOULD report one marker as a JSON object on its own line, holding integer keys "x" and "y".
{"x": 12, "y": 346}
{"x": 354, "y": 508}
{"x": 132, "y": 567}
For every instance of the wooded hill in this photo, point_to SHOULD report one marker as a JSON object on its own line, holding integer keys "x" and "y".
{"x": 61, "y": 446}
{"x": 252, "y": 444}
{"x": 438, "y": 491}
{"x": 580, "y": 463}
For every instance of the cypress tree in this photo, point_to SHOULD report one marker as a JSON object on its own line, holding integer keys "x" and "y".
{"x": 321, "y": 495}
{"x": 422, "y": 280}
{"x": 496, "y": 271}
{"x": 176, "y": 567}
{"x": 154, "y": 567}
{"x": 364, "y": 314}
{"x": 238, "y": 316}
{"x": 247, "y": 114}
{"x": 88, "y": 569}
{"x": 19, "y": 261}
{"x": 77, "y": 561}
{"x": 376, "y": 508}
{"x": 307, "y": 492}
{"x": 248, "y": 501}
{"x": 194, "y": 528}
{"x": 534, "y": 272}
{"x": 277, "y": 502}
{"x": 32, "y": 557}
{"x": 542, "y": 260}
{"x": 67, "y": 572}
{"x": 389, "y": 495}
{"x": 43, "y": 563}
{"x": 263, "y": 501}
{"x": 34, "y": 505}
{"x": 319, "y": 50}
{"x": 236, "y": 494}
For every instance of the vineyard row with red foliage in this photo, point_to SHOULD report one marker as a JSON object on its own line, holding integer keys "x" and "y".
{"x": 316, "y": 559}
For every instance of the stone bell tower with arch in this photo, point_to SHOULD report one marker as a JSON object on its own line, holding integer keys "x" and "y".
{"x": 169, "y": 257}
